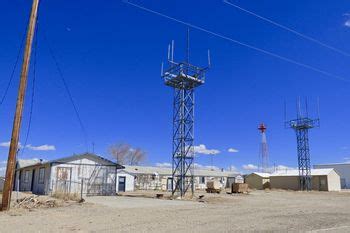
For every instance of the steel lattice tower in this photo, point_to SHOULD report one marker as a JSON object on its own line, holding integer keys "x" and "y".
{"x": 301, "y": 126}
{"x": 264, "y": 152}
{"x": 183, "y": 78}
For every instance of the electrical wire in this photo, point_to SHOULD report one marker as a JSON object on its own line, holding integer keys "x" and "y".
{"x": 287, "y": 28}
{"x": 33, "y": 86}
{"x": 66, "y": 87}
{"x": 14, "y": 68}
{"x": 325, "y": 73}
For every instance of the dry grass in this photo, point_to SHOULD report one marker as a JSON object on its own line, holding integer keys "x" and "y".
{"x": 67, "y": 196}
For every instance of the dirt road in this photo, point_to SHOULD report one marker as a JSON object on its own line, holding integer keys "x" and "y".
{"x": 276, "y": 211}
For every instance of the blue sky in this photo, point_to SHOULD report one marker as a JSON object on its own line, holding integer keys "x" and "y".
{"x": 110, "y": 54}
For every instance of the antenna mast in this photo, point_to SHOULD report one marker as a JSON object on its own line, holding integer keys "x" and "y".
{"x": 264, "y": 152}
{"x": 183, "y": 77}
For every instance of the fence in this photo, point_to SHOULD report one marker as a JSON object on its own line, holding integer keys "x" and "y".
{"x": 82, "y": 188}
{"x": 83, "y": 179}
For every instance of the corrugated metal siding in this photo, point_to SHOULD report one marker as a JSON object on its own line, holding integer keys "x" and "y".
{"x": 97, "y": 179}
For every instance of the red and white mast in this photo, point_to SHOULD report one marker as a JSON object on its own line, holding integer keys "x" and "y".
{"x": 264, "y": 152}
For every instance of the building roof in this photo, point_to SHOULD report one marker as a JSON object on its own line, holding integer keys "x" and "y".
{"x": 36, "y": 162}
{"x": 314, "y": 172}
{"x": 27, "y": 162}
{"x": 332, "y": 164}
{"x": 86, "y": 155}
{"x": 167, "y": 171}
{"x": 262, "y": 174}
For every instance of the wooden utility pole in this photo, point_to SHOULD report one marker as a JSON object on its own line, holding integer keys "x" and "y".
{"x": 11, "y": 161}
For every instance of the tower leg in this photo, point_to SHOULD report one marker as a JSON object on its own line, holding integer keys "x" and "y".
{"x": 183, "y": 153}
{"x": 305, "y": 180}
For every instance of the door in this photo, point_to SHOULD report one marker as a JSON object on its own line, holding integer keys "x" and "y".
{"x": 33, "y": 180}
{"x": 121, "y": 183}
{"x": 169, "y": 184}
{"x": 323, "y": 184}
{"x": 63, "y": 182}
{"x": 343, "y": 183}
{"x": 19, "y": 181}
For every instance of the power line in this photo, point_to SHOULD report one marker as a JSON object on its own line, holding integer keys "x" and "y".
{"x": 13, "y": 69}
{"x": 33, "y": 86}
{"x": 240, "y": 43}
{"x": 288, "y": 29}
{"x": 65, "y": 84}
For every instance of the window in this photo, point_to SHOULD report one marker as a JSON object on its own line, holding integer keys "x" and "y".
{"x": 41, "y": 175}
{"x": 153, "y": 177}
{"x": 26, "y": 176}
{"x": 202, "y": 180}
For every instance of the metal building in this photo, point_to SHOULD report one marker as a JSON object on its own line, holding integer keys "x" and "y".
{"x": 343, "y": 169}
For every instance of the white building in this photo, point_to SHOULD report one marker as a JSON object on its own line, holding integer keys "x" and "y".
{"x": 160, "y": 178}
{"x": 343, "y": 169}
{"x": 87, "y": 173}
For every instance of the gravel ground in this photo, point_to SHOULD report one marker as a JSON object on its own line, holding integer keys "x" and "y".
{"x": 273, "y": 211}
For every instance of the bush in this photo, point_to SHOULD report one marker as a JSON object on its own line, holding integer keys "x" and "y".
{"x": 67, "y": 196}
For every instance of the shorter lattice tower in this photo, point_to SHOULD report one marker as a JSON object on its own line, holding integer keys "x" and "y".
{"x": 264, "y": 152}
{"x": 301, "y": 125}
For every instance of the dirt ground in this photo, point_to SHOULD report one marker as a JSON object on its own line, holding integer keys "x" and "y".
{"x": 259, "y": 211}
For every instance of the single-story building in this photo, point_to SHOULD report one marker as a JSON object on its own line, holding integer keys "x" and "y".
{"x": 343, "y": 169}
{"x": 133, "y": 178}
{"x": 322, "y": 180}
{"x": 258, "y": 180}
{"x": 89, "y": 173}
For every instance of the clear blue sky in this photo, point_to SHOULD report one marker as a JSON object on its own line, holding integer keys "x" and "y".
{"x": 110, "y": 54}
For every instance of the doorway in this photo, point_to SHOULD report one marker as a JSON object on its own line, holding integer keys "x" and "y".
{"x": 121, "y": 183}
{"x": 33, "y": 179}
{"x": 169, "y": 184}
{"x": 323, "y": 183}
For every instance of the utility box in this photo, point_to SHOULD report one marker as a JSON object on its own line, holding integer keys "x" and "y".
{"x": 239, "y": 188}
{"x": 213, "y": 186}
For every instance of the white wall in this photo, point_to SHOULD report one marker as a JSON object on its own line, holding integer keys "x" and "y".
{"x": 333, "y": 180}
{"x": 129, "y": 181}
{"x": 87, "y": 171}
{"x": 343, "y": 170}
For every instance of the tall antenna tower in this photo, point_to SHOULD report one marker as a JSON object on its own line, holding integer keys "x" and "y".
{"x": 183, "y": 77}
{"x": 264, "y": 152}
{"x": 301, "y": 125}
